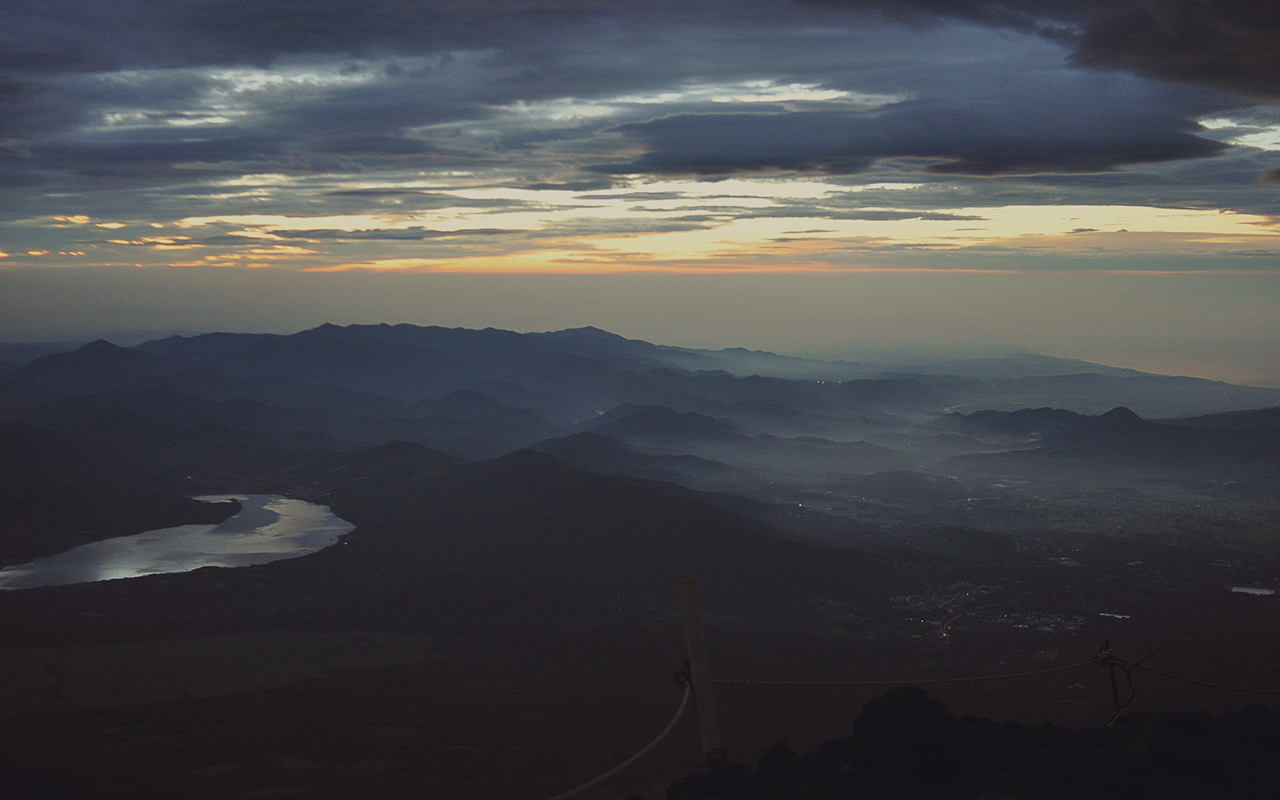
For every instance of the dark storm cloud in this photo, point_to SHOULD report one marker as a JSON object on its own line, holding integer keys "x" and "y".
{"x": 62, "y": 35}
{"x": 25, "y": 109}
{"x": 56, "y": 36}
{"x": 388, "y": 87}
{"x": 139, "y": 158}
{"x": 10, "y": 90}
{"x": 374, "y": 145}
{"x": 72, "y": 63}
{"x": 1077, "y": 128}
{"x": 380, "y": 105}
{"x": 45, "y": 44}
{"x": 1231, "y": 44}
{"x": 640, "y": 197}
{"x": 574, "y": 186}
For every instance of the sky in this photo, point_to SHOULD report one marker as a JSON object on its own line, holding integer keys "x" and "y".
{"x": 838, "y": 178}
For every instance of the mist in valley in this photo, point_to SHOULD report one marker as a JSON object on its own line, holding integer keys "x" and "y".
{"x": 524, "y": 506}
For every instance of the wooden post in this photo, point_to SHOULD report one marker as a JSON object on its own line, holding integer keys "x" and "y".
{"x": 700, "y": 674}
{"x": 1115, "y": 690}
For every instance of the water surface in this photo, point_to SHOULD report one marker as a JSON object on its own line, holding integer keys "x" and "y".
{"x": 268, "y": 528}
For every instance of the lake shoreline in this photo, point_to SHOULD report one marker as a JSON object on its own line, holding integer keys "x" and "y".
{"x": 260, "y": 529}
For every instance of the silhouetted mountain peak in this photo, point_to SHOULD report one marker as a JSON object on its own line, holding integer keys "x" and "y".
{"x": 1047, "y": 421}
{"x": 1120, "y": 416}
{"x": 1023, "y": 422}
{"x": 527, "y": 462}
{"x": 96, "y": 364}
{"x": 586, "y": 331}
{"x": 101, "y": 351}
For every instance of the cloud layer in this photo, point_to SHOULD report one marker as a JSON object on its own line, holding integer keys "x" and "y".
{"x": 573, "y": 132}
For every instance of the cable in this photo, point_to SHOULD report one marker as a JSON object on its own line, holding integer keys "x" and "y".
{"x": 905, "y": 682}
{"x": 688, "y": 690}
{"x": 1105, "y": 657}
{"x": 1206, "y": 683}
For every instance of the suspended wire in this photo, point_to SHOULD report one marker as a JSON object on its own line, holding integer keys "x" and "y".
{"x": 1105, "y": 657}
{"x": 1206, "y": 683}
{"x": 906, "y": 682}
{"x": 688, "y": 690}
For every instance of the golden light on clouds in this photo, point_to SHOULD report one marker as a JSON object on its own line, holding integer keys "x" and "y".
{"x": 784, "y": 243}
{"x": 739, "y": 225}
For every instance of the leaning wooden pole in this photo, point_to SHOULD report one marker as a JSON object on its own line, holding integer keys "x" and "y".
{"x": 1111, "y": 665}
{"x": 700, "y": 673}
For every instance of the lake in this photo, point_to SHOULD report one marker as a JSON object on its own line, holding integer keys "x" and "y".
{"x": 268, "y": 528}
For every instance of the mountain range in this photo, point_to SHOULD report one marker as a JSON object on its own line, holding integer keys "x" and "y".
{"x": 206, "y": 411}
{"x": 525, "y": 505}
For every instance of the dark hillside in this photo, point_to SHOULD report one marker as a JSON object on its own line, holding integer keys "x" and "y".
{"x": 528, "y": 511}
{"x": 59, "y": 490}
{"x": 403, "y": 373}
{"x": 761, "y": 458}
{"x": 906, "y": 745}
{"x": 595, "y": 453}
{"x": 521, "y": 520}
{"x": 18, "y": 354}
{"x": 483, "y": 428}
{"x": 547, "y": 595}
{"x": 93, "y": 367}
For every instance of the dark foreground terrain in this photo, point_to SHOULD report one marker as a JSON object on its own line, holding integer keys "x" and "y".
{"x": 509, "y": 629}
{"x": 905, "y": 745}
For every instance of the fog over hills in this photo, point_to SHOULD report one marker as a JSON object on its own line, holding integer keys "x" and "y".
{"x": 252, "y": 404}
{"x": 525, "y": 505}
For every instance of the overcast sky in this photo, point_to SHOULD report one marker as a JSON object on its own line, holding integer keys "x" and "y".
{"x": 1091, "y": 179}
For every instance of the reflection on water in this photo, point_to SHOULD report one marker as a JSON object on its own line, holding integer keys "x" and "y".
{"x": 268, "y": 528}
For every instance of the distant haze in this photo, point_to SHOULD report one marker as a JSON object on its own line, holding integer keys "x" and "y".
{"x": 814, "y": 177}
{"x": 1218, "y": 327}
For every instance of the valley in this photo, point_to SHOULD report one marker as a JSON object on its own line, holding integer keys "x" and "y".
{"x": 502, "y": 621}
